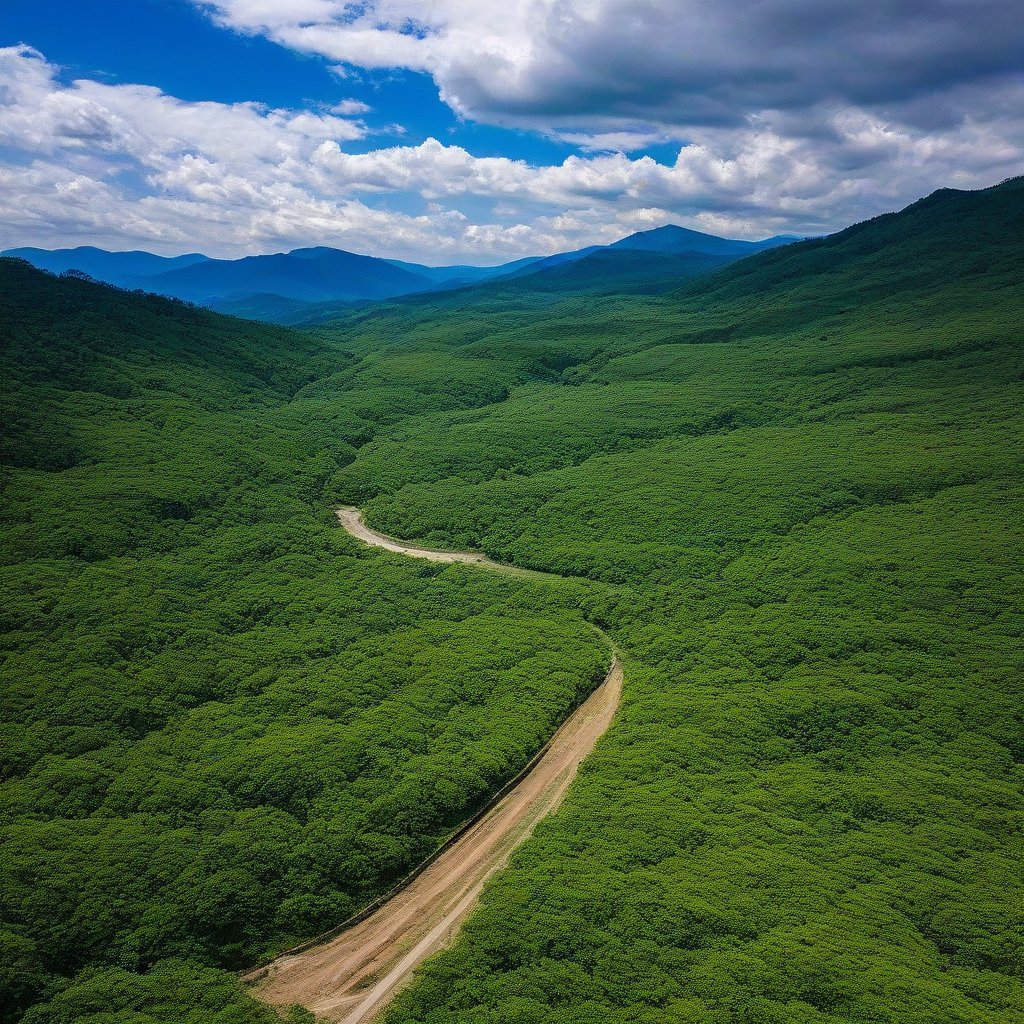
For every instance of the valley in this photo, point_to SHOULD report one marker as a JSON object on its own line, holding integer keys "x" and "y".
{"x": 307, "y": 287}
{"x": 351, "y": 978}
{"x": 788, "y": 490}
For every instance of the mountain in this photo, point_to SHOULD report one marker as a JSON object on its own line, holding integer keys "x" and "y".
{"x": 555, "y": 260}
{"x": 646, "y": 261}
{"x": 120, "y": 268}
{"x": 315, "y": 275}
{"x": 672, "y": 238}
{"x": 456, "y": 276}
{"x": 613, "y": 270}
{"x": 308, "y": 275}
{"x": 799, "y": 478}
{"x": 280, "y": 287}
{"x": 667, "y": 239}
{"x": 311, "y": 285}
{"x": 171, "y": 584}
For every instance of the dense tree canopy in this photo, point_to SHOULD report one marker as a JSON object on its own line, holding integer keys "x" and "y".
{"x": 791, "y": 492}
{"x": 227, "y": 725}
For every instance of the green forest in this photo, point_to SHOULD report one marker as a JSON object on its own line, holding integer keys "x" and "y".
{"x": 790, "y": 490}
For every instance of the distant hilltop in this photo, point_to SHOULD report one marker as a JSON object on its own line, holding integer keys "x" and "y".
{"x": 291, "y": 287}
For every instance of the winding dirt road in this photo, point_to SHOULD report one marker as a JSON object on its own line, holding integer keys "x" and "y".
{"x": 352, "y": 520}
{"x": 353, "y": 976}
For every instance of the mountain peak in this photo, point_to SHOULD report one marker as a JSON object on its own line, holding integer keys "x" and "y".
{"x": 674, "y": 238}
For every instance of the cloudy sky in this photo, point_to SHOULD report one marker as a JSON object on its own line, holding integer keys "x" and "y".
{"x": 483, "y": 130}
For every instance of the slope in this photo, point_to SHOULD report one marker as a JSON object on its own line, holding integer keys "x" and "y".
{"x": 279, "y": 288}
{"x": 623, "y": 268}
{"x": 670, "y": 239}
{"x": 800, "y": 479}
{"x": 623, "y": 272}
{"x": 226, "y": 727}
{"x": 675, "y": 239}
{"x": 119, "y": 268}
{"x": 310, "y": 275}
{"x": 790, "y": 490}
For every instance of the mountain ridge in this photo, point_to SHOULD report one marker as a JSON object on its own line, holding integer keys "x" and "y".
{"x": 299, "y": 285}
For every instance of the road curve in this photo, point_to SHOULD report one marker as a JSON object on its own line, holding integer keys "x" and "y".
{"x": 352, "y": 977}
{"x": 352, "y": 520}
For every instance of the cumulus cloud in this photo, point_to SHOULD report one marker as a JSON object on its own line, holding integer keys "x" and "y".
{"x": 614, "y": 65}
{"x": 349, "y": 107}
{"x": 128, "y": 165}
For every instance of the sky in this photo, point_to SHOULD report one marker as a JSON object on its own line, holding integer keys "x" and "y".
{"x": 449, "y": 131}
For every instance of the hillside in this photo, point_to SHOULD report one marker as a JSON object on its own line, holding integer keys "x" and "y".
{"x": 623, "y": 268}
{"x": 272, "y": 288}
{"x": 619, "y": 271}
{"x": 120, "y": 268}
{"x": 675, "y": 239}
{"x": 313, "y": 285}
{"x": 800, "y": 477}
{"x": 308, "y": 275}
{"x": 666, "y": 241}
{"x": 789, "y": 489}
{"x": 225, "y": 727}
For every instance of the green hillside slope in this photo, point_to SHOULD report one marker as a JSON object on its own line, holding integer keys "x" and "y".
{"x": 226, "y": 725}
{"x": 622, "y": 271}
{"x": 790, "y": 490}
{"x": 801, "y": 479}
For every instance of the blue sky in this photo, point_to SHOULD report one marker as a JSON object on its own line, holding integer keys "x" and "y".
{"x": 483, "y": 130}
{"x": 171, "y": 44}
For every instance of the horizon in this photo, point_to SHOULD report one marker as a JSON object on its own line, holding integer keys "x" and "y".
{"x": 9, "y": 250}
{"x": 481, "y": 134}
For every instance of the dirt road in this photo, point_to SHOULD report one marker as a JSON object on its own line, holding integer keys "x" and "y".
{"x": 352, "y": 977}
{"x": 352, "y": 520}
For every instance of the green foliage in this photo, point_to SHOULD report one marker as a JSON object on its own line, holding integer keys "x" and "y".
{"x": 802, "y": 478}
{"x": 792, "y": 493}
{"x": 175, "y": 992}
{"x": 227, "y": 725}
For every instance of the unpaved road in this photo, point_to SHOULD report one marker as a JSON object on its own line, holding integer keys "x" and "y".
{"x": 352, "y": 977}
{"x": 352, "y": 520}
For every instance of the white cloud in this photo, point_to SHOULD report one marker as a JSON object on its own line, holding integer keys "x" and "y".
{"x": 127, "y": 165}
{"x": 609, "y": 66}
{"x": 349, "y": 108}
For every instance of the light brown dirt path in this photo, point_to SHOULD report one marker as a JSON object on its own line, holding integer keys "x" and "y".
{"x": 353, "y": 976}
{"x": 352, "y": 520}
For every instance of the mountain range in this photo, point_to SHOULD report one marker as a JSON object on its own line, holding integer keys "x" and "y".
{"x": 789, "y": 491}
{"x": 312, "y": 284}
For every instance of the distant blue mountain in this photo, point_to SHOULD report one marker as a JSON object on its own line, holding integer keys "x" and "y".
{"x": 272, "y": 287}
{"x": 316, "y": 274}
{"x": 647, "y": 262}
{"x": 524, "y": 267}
{"x": 454, "y": 277}
{"x": 120, "y": 268}
{"x": 292, "y": 287}
{"x": 672, "y": 238}
{"x": 668, "y": 240}
{"x": 620, "y": 271}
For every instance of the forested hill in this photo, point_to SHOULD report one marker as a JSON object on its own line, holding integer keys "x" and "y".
{"x": 951, "y": 237}
{"x": 791, "y": 492}
{"x": 950, "y": 240}
{"x": 801, "y": 478}
{"x": 134, "y": 398}
{"x": 226, "y": 727}
{"x": 73, "y": 332}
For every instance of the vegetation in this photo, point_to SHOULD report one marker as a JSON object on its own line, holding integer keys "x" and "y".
{"x": 227, "y": 725}
{"x": 802, "y": 479}
{"x": 791, "y": 491}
